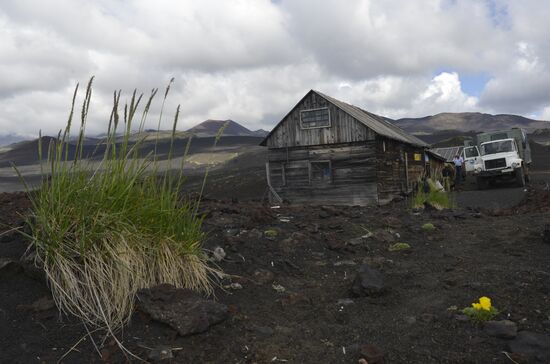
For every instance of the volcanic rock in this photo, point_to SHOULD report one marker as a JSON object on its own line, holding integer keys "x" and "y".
{"x": 184, "y": 310}
{"x": 372, "y": 354}
{"x": 368, "y": 282}
{"x": 504, "y": 329}
{"x": 531, "y": 345}
{"x": 546, "y": 235}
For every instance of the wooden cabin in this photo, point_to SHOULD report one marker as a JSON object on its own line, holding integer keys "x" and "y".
{"x": 325, "y": 151}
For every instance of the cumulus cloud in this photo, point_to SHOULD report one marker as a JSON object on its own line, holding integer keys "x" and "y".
{"x": 252, "y": 60}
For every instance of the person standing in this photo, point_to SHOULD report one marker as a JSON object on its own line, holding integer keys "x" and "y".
{"x": 459, "y": 163}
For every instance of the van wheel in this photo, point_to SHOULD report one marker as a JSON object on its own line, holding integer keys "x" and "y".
{"x": 520, "y": 177}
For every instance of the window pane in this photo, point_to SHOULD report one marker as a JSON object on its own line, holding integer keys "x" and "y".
{"x": 315, "y": 118}
{"x": 320, "y": 172}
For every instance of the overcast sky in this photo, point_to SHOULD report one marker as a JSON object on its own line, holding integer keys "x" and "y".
{"x": 252, "y": 60}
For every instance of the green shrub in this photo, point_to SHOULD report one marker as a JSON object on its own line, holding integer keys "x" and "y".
{"x": 271, "y": 233}
{"x": 435, "y": 198}
{"x": 104, "y": 231}
{"x": 398, "y": 247}
{"x": 428, "y": 226}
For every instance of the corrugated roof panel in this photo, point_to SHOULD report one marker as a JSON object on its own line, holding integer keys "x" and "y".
{"x": 448, "y": 153}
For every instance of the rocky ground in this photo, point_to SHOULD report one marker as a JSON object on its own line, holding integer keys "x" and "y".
{"x": 320, "y": 285}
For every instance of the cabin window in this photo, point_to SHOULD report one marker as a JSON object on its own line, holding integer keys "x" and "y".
{"x": 315, "y": 118}
{"x": 320, "y": 172}
{"x": 277, "y": 176}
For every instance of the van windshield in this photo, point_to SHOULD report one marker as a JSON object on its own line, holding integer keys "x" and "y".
{"x": 497, "y": 147}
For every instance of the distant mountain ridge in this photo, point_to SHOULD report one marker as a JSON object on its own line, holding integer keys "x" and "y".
{"x": 209, "y": 128}
{"x": 8, "y": 139}
{"x": 468, "y": 121}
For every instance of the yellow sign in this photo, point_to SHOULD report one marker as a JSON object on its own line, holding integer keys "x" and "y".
{"x": 417, "y": 156}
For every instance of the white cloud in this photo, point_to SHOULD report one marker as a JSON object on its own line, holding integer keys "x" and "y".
{"x": 252, "y": 60}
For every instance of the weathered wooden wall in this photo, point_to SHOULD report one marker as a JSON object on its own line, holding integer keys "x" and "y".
{"x": 344, "y": 128}
{"x": 397, "y": 171}
{"x": 353, "y": 174}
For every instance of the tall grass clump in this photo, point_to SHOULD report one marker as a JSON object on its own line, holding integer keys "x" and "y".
{"x": 428, "y": 194}
{"x": 103, "y": 231}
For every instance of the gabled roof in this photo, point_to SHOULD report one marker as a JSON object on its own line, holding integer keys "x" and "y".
{"x": 377, "y": 123}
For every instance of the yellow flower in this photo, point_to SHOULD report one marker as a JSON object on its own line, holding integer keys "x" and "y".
{"x": 477, "y": 306}
{"x": 485, "y": 303}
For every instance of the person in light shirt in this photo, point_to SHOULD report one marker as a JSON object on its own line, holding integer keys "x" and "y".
{"x": 459, "y": 162}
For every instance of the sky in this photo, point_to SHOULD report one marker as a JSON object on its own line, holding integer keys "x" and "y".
{"x": 252, "y": 60}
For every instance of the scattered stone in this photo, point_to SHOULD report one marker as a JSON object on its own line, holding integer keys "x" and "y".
{"x": 236, "y": 286}
{"x": 546, "y": 235}
{"x": 504, "y": 329}
{"x": 344, "y": 262}
{"x": 219, "y": 254}
{"x": 377, "y": 262}
{"x": 531, "y": 345}
{"x": 345, "y": 302}
{"x": 368, "y": 282}
{"x": 287, "y": 245}
{"x": 278, "y": 288}
{"x": 392, "y": 222}
{"x": 9, "y": 266}
{"x": 399, "y": 247}
{"x": 293, "y": 298}
{"x": 462, "y": 318}
{"x": 299, "y": 237}
{"x": 182, "y": 309}
{"x": 232, "y": 232}
{"x": 334, "y": 243}
{"x": 324, "y": 215}
{"x": 410, "y": 320}
{"x": 362, "y": 361}
{"x": 255, "y": 234}
{"x": 263, "y": 331}
{"x": 42, "y": 304}
{"x": 161, "y": 353}
{"x": 372, "y": 354}
{"x": 356, "y": 241}
{"x": 384, "y": 236}
{"x": 428, "y": 317}
{"x": 283, "y": 330}
{"x": 263, "y": 276}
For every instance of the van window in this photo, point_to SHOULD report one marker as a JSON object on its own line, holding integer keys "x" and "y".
{"x": 470, "y": 152}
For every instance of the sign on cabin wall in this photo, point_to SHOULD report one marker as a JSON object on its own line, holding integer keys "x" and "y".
{"x": 417, "y": 157}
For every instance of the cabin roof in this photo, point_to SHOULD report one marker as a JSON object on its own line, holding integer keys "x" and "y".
{"x": 376, "y": 123}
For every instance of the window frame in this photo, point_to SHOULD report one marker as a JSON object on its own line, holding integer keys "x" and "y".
{"x": 316, "y": 127}
{"x": 330, "y": 181}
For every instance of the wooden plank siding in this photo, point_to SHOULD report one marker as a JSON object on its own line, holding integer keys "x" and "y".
{"x": 344, "y": 128}
{"x": 365, "y": 167}
{"x": 353, "y": 174}
{"x": 397, "y": 171}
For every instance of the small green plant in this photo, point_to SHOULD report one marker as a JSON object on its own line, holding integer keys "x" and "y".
{"x": 434, "y": 197}
{"x": 428, "y": 227}
{"x": 271, "y": 233}
{"x": 398, "y": 247}
{"x": 481, "y": 311}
